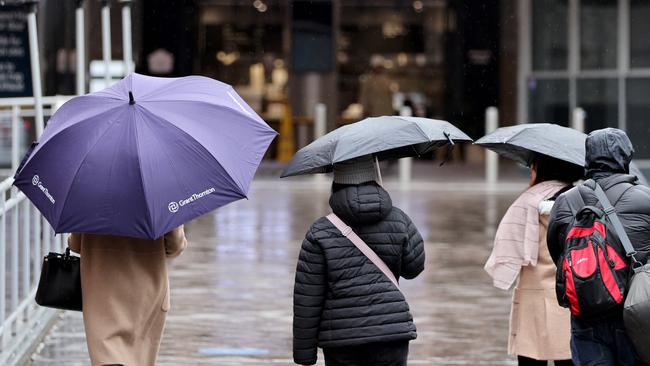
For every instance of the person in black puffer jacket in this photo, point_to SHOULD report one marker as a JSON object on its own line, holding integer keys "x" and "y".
{"x": 343, "y": 303}
{"x": 609, "y": 152}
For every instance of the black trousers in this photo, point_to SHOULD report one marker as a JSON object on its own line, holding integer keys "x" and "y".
{"x": 371, "y": 354}
{"x": 525, "y": 361}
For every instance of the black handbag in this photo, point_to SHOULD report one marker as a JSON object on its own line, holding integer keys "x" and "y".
{"x": 60, "y": 283}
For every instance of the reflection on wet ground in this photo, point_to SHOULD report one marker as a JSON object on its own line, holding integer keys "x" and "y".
{"x": 232, "y": 288}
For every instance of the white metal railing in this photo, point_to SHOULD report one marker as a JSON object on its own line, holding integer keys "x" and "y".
{"x": 25, "y": 237}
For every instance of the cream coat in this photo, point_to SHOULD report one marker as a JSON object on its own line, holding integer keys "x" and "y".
{"x": 125, "y": 294}
{"x": 539, "y": 327}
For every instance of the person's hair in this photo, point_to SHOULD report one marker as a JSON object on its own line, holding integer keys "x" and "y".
{"x": 548, "y": 168}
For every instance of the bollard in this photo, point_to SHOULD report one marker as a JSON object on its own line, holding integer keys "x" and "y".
{"x": 126, "y": 36}
{"x": 320, "y": 120}
{"x": 320, "y": 129}
{"x": 578, "y": 122}
{"x": 405, "y": 164}
{"x": 491, "y": 158}
{"x": 106, "y": 40}
{"x": 81, "y": 48}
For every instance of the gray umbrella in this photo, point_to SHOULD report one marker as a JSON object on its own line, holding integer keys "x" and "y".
{"x": 387, "y": 137}
{"x": 522, "y": 142}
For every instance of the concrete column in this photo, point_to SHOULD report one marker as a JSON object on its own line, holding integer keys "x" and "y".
{"x": 306, "y": 89}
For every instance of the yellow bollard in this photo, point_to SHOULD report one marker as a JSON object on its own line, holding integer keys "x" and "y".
{"x": 286, "y": 144}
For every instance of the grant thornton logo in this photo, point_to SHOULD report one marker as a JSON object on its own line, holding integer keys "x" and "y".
{"x": 175, "y": 206}
{"x": 36, "y": 180}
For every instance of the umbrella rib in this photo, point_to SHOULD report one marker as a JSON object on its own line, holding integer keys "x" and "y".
{"x": 236, "y": 184}
{"x": 171, "y": 162}
{"x": 239, "y": 112}
{"x": 144, "y": 189}
{"x": 266, "y": 129}
{"x": 42, "y": 142}
{"x": 74, "y": 177}
{"x": 175, "y": 81}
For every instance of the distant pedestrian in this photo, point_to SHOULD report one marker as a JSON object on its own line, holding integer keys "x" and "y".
{"x": 375, "y": 94}
{"x": 125, "y": 294}
{"x": 601, "y": 340}
{"x": 343, "y": 303}
{"x": 539, "y": 327}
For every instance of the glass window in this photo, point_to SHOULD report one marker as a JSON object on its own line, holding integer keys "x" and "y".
{"x": 549, "y": 35}
{"x": 639, "y": 31}
{"x": 599, "y": 99}
{"x": 549, "y": 101}
{"x": 598, "y": 34}
{"x": 638, "y": 116}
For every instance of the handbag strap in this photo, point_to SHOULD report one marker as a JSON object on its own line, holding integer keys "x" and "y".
{"x": 363, "y": 247}
{"x": 610, "y": 212}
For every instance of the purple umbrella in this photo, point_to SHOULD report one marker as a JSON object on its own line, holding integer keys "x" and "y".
{"x": 144, "y": 156}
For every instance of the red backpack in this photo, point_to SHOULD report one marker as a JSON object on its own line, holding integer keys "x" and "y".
{"x": 592, "y": 273}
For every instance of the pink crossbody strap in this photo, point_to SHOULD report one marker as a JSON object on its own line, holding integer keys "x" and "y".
{"x": 363, "y": 247}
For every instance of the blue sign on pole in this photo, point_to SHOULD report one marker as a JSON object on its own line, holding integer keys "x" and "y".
{"x": 15, "y": 70}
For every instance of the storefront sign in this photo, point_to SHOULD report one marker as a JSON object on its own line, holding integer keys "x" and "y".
{"x": 15, "y": 72}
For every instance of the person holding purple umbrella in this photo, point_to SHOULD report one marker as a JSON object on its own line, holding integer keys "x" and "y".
{"x": 124, "y": 169}
{"x": 125, "y": 292}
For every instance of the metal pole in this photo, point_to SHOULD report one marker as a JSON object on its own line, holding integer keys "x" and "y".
{"x": 15, "y": 137}
{"x": 491, "y": 158}
{"x": 578, "y": 120}
{"x": 3, "y": 267}
{"x": 81, "y": 48}
{"x": 36, "y": 66}
{"x": 126, "y": 36}
{"x": 320, "y": 120}
{"x": 106, "y": 40}
{"x": 14, "y": 253}
{"x": 405, "y": 164}
{"x": 23, "y": 209}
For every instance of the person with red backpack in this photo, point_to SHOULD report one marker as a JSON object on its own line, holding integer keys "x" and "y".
{"x": 593, "y": 262}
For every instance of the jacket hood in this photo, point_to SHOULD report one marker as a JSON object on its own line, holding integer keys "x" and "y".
{"x": 361, "y": 204}
{"x": 608, "y": 151}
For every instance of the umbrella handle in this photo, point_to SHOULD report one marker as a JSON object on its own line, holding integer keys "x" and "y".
{"x": 381, "y": 181}
{"x": 450, "y": 148}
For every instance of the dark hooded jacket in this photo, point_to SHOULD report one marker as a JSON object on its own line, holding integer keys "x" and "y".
{"x": 340, "y": 297}
{"x": 608, "y": 156}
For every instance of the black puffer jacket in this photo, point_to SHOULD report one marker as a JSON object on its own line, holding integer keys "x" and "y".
{"x": 608, "y": 156}
{"x": 340, "y": 297}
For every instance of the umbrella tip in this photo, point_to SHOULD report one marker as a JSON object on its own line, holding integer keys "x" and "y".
{"x": 131, "y": 100}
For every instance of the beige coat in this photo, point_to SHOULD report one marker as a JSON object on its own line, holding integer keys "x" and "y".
{"x": 125, "y": 294}
{"x": 539, "y": 327}
{"x": 375, "y": 95}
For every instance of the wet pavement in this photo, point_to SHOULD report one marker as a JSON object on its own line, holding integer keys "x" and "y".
{"x": 232, "y": 288}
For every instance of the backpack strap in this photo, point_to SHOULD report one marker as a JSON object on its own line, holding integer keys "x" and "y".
{"x": 556, "y": 195}
{"x": 575, "y": 201}
{"x": 610, "y": 212}
{"x": 363, "y": 247}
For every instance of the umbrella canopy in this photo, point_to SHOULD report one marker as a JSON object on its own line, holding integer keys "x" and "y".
{"x": 522, "y": 142}
{"x": 387, "y": 137}
{"x": 144, "y": 156}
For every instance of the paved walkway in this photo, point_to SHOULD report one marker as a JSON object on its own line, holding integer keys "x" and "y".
{"x": 232, "y": 288}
